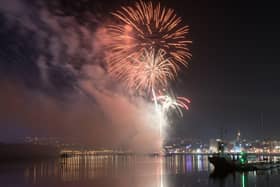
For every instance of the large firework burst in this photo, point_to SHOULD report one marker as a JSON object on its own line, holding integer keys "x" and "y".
{"x": 146, "y": 26}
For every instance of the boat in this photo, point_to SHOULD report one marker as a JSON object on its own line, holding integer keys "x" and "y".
{"x": 224, "y": 163}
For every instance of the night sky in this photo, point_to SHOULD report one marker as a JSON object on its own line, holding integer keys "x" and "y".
{"x": 234, "y": 75}
{"x": 232, "y": 78}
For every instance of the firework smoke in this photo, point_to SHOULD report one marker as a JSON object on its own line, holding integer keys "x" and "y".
{"x": 93, "y": 105}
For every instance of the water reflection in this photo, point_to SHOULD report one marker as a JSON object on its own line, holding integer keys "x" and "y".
{"x": 187, "y": 163}
{"x": 80, "y": 167}
{"x": 90, "y": 167}
{"x": 127, "y": 171}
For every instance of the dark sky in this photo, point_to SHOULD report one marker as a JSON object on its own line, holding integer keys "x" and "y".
{"x": 233, "y": 76}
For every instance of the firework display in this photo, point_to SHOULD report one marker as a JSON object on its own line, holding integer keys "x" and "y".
{"x": 146, "y": 48}
{"x": 147, "y": 32}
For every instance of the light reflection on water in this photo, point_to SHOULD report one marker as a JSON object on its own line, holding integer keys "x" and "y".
{"x": 127, "y": 171}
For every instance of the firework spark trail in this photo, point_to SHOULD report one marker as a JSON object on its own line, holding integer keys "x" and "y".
{"x": 167, "y": 102}
{"x": 152, "y": 70}
{"x": 142, "y": 27}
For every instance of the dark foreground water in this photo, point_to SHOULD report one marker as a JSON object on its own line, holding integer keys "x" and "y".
{"x": 128, "y": 171}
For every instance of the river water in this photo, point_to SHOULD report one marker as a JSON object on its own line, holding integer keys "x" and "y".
{"x": 128, "y": 171}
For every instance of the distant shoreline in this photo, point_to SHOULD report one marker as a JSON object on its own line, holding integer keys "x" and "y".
{"x": 27, "y": 151}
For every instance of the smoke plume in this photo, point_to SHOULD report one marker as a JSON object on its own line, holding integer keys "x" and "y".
{"x": 73, "y": 97}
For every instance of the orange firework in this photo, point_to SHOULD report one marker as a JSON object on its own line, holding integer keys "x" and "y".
{"x": 142, "y": 27}
{"x": 151, "y": 70}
